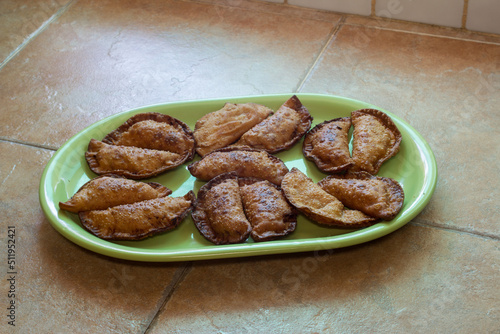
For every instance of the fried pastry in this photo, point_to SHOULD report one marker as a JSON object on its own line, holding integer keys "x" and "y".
{"x": 154, "y": 131}
{"x": 375, "y": 139}
{"x": 225, "y": 126}
{"x": 129, "y": 161}
{"x": 138, "y": 220}
{"x": 320, "y": 206}
{"x": 281, "y": 130}
{"x": 218, "y": 213}
{"x": 327, "y": 145}
{"x": 246, "y": 162}
{"x": 379, "y": 197}
{"x": 267, "y": 209}
{"x": 106, "y": 191}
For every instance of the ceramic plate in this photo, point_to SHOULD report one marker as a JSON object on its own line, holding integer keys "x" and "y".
{"x": 414, "y": 167}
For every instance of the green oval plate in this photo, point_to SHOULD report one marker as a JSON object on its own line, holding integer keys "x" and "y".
{"x": 414, "y": 167}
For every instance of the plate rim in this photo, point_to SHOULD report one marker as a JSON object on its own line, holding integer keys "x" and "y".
{"x": 231, "y": 251}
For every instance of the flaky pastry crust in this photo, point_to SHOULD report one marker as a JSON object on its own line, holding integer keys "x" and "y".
{"x": 104, "y": 192}
{"x": 281, "y": 130}
{"x": 223, "y": 127}
{"x": 245, "y": 161}
{"x": 379, "y": 197}
{"x": 138, "y": 220}
{"x": 375, "y": 140}
{"x": 320, "y": 206}
{"x": 327, "y": 145}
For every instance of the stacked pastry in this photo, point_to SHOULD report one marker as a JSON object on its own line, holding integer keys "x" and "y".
{"x": 249, "y": 192}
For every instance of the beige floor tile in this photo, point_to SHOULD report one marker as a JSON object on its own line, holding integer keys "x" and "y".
{"x": 416, "y": 280}
{"x": 104, "y": 58}
{"x": 448, "y": 90}
{"x": 20, "y": 19}
{"x": 60, "y": 287}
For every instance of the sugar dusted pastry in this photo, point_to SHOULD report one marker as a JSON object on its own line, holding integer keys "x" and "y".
{"x": 379, "y": 197}
{"x": 267, "y": 209}
{"x": 327, "y": 145}
{"x": 225, "y": 126}
{"x": 246, "y": 162}
{"x": 375, "y": 139}
{"x": 281, "y": 130}
{"x": 320, "y": 206}
{"x": 138, "y": 220}
{"x": 129, "y": 161}
{"x": 154, "y": 131}
{"x": 219, "y": 214}
{"x": 106, "y": 191}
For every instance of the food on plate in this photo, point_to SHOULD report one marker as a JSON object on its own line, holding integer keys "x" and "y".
{"x": 154, "y": 131}
{"x": 225, "y": 126}
{"x": 281, "y": 130}
{"x": 138, "y": 220}
{"x": 219, "y": 214}
{"x": 146, "y": 145}
{"x": 246, "y": 162}
{"x": 379, "y": 197}
{"x": 267, "y": 209}
{"x": 327, "y": 145}
{"x": 106, "y": 191}
{"x": 320, "y": 206}
{"x": 129, "y": 161}
{"x": 375, "y": 139}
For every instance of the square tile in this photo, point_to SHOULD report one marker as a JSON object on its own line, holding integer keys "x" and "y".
{"x": 415, "y": 280}
{"x": 444, "y": 12}
{"x": 20, "y": 19}
{"x": 483, "y": 15}
{"x": 106, "y": 58}
{"x": 447, "y": 89}
{"x": 361, "y": 7}
{"x": 61, "y": 287}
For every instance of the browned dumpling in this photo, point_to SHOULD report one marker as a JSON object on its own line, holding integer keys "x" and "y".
{"x": 154, "y": 131}
{"x": 138, "y": 220}
{"x": 267, "y": 209}
{"x": 246, "y": 162}
{"x": 317, "y": 204}
{"x": 106, "y": 191}
{"x": 129, "y": 161}
{"x": 281, "y": 130}
{"x": 219, "y": 214}
{"x": 146, "y": 145}
{"x": 223, "y": 127}
{"x": 327, "y": 145}
{"x": 376, "y": 196}
{"x": 375, "y": 139}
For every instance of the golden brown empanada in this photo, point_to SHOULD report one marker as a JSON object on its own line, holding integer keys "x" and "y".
{"x": 281, "y": 130}
{"x": 379, "y": 197}
{"x": 375, "y": 139}
{"x": 129, "y": 161}
{"x": 106, "y": 191}
{"x": 219, "y": 214}
{"x": 138, "y": 220}
{"x": 267, "y": 209}
{"x": 223, "y": 127}
{"x": 327, "y": 145}
{"x": 154, "y": 131}
{"x": 246, "y": 162}
{"x": 317, "y": 204}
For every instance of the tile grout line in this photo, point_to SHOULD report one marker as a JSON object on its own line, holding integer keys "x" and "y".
{"x": 455, "y": 229}
{"x": 20, "y": 142}
{"x": 179, "y": 276}
{"x": 332, "y": 36}
{"x": 423, "y": 34}
{"x": 35, "y": 33}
